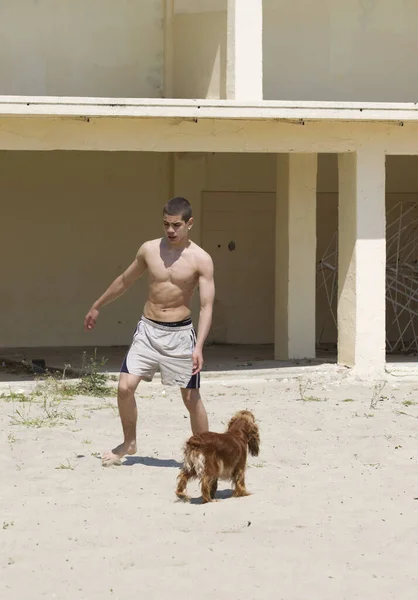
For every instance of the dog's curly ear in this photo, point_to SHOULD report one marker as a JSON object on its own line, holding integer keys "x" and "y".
{"x": 254, "y": 440}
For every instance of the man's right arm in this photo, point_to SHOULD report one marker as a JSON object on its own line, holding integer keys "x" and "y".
{"x": 117, "y": 288}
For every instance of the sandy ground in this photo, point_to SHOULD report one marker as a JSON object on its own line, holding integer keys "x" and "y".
{"x": 333, "y": 513}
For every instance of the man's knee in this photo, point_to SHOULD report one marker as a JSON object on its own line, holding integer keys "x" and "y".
{"x": 128, "y": 384}
{"x": 191, "y": 397}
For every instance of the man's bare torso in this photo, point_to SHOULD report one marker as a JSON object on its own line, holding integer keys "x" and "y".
{"x": 173, "y": 275}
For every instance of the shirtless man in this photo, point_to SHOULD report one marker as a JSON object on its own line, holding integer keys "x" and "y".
{"x": 164, "y": 337}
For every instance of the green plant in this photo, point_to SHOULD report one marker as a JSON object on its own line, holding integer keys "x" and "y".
{"x": 104, "y": 406}
{"x": 376, "y": 396}
{"x": 67, "y": 466}
{"x": 314, "y": 399}
{"x": 303, "y": 386}
{"x": 15, "y": 397}
{"x": 93, "y": 382}
{"x": 52, "y": 409}
{"x": 54, "y": 388}
{"x": 51, "y": 413}
{"x": 22, "y": 418}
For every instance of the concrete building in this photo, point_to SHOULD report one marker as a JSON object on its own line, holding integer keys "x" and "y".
{"x": 283, "y": 123}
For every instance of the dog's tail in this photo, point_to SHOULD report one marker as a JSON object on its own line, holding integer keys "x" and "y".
{"x": 194, "y": 459}
{"x": 194, "y": 443}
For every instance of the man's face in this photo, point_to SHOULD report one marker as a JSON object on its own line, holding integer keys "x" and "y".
{"x": 176, "y": 230}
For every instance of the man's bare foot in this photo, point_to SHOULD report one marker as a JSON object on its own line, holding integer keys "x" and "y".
{"x": 114, "y": 457}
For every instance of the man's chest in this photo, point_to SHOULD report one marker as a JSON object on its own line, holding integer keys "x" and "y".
{"x": 180, "y": 272}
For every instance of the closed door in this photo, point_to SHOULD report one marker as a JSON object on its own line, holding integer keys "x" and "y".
{"x": 238, "y": 231}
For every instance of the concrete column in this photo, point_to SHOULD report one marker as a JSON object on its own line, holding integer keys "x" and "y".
{"x": 362, "y": 260}
{"x": 168, "y": 48}
{"x": 295, "y": 256}
{"x": 189, "y": 180}
{"x": 244, "y": 70}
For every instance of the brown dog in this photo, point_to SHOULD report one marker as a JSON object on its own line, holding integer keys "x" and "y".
{"x": 211, "y": 456}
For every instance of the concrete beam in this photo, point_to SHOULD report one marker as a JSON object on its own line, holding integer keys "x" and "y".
{"x": 206, "y": 135}
{"x": 295, "y": 256}
{"x": 244, "y": 71}
{"x": 362, "y": 260}
{"x": 295, "y": 112}
{"x": 171, "y": 135}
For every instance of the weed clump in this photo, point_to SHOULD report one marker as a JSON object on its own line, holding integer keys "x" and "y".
{"x": 93, "y": 381}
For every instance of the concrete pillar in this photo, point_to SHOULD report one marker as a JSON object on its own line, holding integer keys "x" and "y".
{"x": 189, "y": 180}
{"x": 362, "y": 260}
{"x": 168, "y": 87}
{"x": 244, "y": 70}
{"x": 295, "y": 256}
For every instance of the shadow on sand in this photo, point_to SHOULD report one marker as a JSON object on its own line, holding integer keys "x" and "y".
{"x": 148, "y": 461}
{"x": 220, "y": 495}
{"x": 170, "y": 463}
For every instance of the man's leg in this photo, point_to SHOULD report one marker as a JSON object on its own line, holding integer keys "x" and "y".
{"x": 128, "y": 415}
{"x": 193, "y": 403}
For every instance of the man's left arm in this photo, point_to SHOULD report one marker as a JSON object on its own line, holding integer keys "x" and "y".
{"x": 207, "y": 296}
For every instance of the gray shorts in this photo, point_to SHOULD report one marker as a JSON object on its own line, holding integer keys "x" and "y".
{"x": 166, "y": 347}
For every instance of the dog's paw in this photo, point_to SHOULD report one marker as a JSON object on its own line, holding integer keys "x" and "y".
{"x": 183, "y": 498}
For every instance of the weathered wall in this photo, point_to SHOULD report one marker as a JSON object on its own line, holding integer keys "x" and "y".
{"x": 71, "y": 222}
{"x": 199, "y": 60}
{"x": 326, "y": 50}
{"x": 239, "y": 205}
{"x": 352, "y": 50}
{"x": 238, "y": 230}
{"x": 256, "y": 173}
{"x": 109, "y": 48}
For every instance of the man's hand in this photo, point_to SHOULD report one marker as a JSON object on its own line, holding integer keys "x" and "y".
{"x": 197, "y": 357}
{"x": 90, "y": 320}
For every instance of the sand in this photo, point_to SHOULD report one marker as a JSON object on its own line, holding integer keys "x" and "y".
{"x": 332, "y": 514}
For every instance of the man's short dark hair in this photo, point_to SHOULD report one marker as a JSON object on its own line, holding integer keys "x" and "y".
{"x": 178, "y": 206}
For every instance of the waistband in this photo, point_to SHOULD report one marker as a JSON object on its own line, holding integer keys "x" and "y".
{"x": 169, "y": 326}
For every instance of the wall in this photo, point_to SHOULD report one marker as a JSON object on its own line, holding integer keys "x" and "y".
{"x": 354, "y": 50}
{"x": 108, "y": 48}
{"x": 341, "y": 50}
{"x": 71, "y": 222}
{"x": 199, "y": 61}
{"x": 244, "y": 173}
{"x": 237, "y": 205}
{"x": 239, "y": 233}
{"x": 257, "y": 173}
